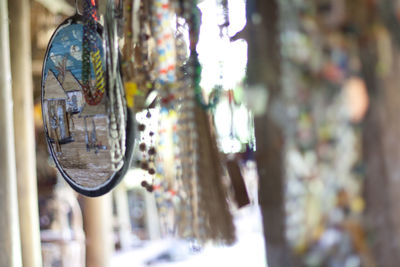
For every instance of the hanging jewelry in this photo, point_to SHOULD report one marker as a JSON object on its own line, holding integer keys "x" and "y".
{"x": 215, "y": 219}
{"x": 137, "y": 62}
{"x": 91, "y": 53}
{"x": 164, "y": 40}
{"x": 117, "y": 114}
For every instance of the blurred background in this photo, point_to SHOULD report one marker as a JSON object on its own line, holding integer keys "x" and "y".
{"x": 309, "y": 113}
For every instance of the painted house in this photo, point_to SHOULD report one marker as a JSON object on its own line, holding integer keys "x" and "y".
{"x": 96, "y": 118}
{"x": 73, "y": 89}
{"x": 54, "y": 109}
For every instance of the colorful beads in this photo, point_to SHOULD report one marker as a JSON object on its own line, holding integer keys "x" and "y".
{"x": 91, "y": 54}
{"x": 165, "y": 43}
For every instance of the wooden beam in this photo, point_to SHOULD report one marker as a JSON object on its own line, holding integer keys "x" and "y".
{"x": 24, "y": 131}
{"x": 10, "y": 250}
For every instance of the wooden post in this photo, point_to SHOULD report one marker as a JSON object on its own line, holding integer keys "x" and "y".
{"x": 24, "y": 134}
{"x": 381, "y": 151}
{"x": 151, "y": 216}
{"x": 98, "y": 230}
{"x": 10, "y": 250}
{"x": 264, "y": 73}
{"x": 122, "y": 206}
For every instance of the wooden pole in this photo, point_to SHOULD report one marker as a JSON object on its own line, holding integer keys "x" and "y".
{"x": 122, "y": 206}
{"x": 380, "y": 127}
{"x": 98, "y": 230}
{"x": 151, "y": 216}
{"x": 10, "y": 250}
{"x": 264, "y": 75}
{"x": 24, "y": 134}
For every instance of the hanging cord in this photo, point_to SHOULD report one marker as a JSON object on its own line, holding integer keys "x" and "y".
{"x": 91, "y": 53}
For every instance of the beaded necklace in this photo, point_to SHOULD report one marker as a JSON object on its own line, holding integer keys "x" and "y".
{"x": 159, "y": 56}
{"x": 162, "y": 16}
{"x": 138, "y": 63}
{"x": 90, "y": 52}
{"x": 118, "y": 113}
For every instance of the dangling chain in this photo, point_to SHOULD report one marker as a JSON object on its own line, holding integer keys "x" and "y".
{"x": 187, "y": 175}
{"x": 117, "y": 116}
{"x": 91, "y": 53}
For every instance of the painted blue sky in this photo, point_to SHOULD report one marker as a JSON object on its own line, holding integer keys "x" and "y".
{"x": 68, "y": 43}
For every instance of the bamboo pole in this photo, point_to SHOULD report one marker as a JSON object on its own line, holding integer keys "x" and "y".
{"x": 10, "y": 251}
{"x": 98, "y": 230}
{"x": 152, "y": 217}
{"x": 24, "y": 134}
{"x": 122, "y": 206}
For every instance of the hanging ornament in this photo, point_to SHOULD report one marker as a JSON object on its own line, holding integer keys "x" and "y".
{"x": 203, "y": 213}
{"x": 86, "y": 122}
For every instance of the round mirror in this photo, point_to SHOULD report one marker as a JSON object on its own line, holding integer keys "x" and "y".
{"x": 87, "y": 124}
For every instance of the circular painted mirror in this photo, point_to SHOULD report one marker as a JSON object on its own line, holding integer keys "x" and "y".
{"x": 87, "y": 124}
